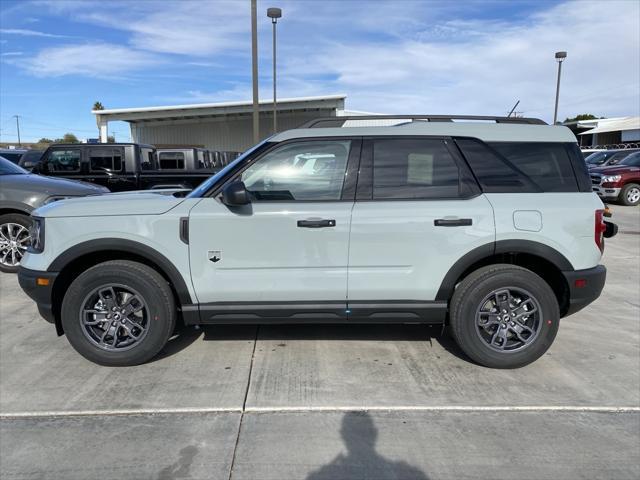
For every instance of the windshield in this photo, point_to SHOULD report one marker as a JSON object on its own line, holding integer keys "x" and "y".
{"x": 599, "y": 158}
{"x": 632, "y": 160}
{"x": 9, "y": 168}
{"x": 211, "y": 181}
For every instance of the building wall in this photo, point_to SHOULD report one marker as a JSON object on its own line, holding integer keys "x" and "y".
{"x": 631, "y": 135}
{"x": 224, "y": 133}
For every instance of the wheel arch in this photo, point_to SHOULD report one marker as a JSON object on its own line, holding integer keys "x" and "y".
{"x": 541, "y": 259}
{"x": 82, "y": 256}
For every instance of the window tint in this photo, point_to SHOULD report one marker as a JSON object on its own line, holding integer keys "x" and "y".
{"x": 101, "y": 159}
{"x": 64, "y": 160}
{"x": 147, "y": 159}
{"x": 413, "y": 169}
{"x": 300, "y": 171}
{"x": 545, "y": 164}
{"x": 171, "y": 160}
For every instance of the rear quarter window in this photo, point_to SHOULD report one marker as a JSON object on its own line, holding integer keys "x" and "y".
{"x": 507, "y": 167}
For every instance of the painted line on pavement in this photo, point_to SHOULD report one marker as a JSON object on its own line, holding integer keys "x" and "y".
{"x": 311, "y": 409}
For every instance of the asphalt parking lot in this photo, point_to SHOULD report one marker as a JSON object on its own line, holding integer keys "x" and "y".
{"x": 329, "y": 402}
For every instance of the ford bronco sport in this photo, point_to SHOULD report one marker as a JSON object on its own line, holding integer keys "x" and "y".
{"x": 489, "y": 227}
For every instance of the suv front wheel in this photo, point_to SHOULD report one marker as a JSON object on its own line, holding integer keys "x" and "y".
{"x": 119, "y": 313}
{"x": 504, "y": 316}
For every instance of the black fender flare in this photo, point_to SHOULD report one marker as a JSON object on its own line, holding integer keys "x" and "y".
{"x": 125, "y": 246}
{"x": 501, "y": 246}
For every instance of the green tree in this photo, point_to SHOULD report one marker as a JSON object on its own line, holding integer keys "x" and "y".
{"x": 98, "y": 106}
{"x": 68, "y": 138}
{"x": 45, "y": 140}
{"x": 582, "y": 116}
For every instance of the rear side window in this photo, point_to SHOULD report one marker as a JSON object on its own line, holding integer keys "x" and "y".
{"x": 101, "y": 159}
{"x": 546, "y": 164}
{"x": 505, "y": 167}
{"x": 407, "y": 169}
{"x": 171, "y": 160}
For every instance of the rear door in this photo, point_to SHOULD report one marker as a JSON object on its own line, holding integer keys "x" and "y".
{"x": 418, "y": 210}
{"x": 106, "y": 166}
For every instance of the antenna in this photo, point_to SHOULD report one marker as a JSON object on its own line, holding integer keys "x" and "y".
{"x": 514, "y": 107}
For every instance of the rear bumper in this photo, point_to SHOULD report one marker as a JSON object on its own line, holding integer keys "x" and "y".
{"x": 41, "y": 294}
{"x": 585, "y": 286}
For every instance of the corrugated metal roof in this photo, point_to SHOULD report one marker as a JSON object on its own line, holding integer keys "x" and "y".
{"x": 221, "y": 105}
{"x": 614, "y": 125}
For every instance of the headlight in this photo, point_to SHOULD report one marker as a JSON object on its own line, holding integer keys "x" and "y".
{"x": 36, "y": 232}
{"x": 611, "y": 178}
{"x": 55, "y": 199}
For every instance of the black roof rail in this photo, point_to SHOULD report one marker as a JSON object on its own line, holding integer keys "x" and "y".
{"x": 325, "y": 122}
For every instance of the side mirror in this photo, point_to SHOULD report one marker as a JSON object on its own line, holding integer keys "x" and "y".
{"x": 35, "y": 168}
{"x": 235, "y": 194}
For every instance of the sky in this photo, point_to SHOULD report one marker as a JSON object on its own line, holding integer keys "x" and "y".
{"x": 57, "y": 57}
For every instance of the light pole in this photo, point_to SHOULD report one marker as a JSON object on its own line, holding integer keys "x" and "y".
{"x": 274, "y": 14}
{"x": 17, "y": 117}
{"x": 560, "y": 56}
{"x": 254, "y": 71}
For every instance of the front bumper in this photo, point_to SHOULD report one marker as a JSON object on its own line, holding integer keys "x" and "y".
{"x": 41, "y": 294}
{"x": 607, "y": 192}
{"x": 585, "y": 286}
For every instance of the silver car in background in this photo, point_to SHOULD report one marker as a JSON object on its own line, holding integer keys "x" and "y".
{"x": 20, "y": 193}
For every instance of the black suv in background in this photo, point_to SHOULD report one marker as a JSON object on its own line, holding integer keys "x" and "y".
{"x": 120, "y": 166}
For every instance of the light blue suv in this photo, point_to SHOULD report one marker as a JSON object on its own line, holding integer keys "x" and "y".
{"x": 488, "y": 226}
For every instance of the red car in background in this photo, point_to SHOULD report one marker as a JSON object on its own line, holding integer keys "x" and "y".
{"x": 620, "y": 182}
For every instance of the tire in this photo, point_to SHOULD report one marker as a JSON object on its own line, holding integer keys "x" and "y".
{"x": 630, "y": 194}
{"x": 12, "y": 229}
{"x": 475, "y": 294}
{"x": 152, "y": 324}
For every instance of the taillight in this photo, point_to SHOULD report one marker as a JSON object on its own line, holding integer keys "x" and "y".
{"x": 599, "y": 229}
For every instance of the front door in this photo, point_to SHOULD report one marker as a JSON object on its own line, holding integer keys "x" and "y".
{"x": 285, "y": 254}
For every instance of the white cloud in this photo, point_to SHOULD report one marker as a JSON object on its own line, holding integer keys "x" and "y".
{"x": 92, "y": 60}
{"x": 10, "y": 54}
{"x": 29, "y": 33}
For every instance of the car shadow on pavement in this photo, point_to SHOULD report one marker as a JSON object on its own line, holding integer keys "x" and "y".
{"x": 359, "y": 434}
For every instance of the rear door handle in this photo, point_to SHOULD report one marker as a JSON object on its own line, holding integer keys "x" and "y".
{"x": 313, "y": 223}
{"x": 453, "y": 222}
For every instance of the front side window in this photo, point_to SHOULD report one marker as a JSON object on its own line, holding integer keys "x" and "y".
{"x": 64, "y": 160}
{"x": 408, "y": 169}
{"x": 171, "y": 160}
{"x": 313, "y": 170}
{"x": 101, "y": 159}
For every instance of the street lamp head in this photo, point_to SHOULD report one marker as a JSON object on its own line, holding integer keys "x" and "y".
{"x": 274, "y": 14}
{"x": 560, "y": 56}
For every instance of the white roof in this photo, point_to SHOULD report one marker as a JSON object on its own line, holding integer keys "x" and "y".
{"x": 614, "y": 125}
{"x": 221, "y": 105}
{"x": 489, "y": 132}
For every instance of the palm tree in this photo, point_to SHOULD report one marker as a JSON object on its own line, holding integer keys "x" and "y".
{"x": 98, "y": 106}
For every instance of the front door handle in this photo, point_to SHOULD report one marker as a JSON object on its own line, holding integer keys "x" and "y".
{"x": 316, "y": 223}
{"x": 453, "y": 222}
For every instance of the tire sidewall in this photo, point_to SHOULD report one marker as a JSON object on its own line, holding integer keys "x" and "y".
{"x": 21, "y": 219}
{"x": 477, "y": 349}
{"x": 160, "y": 312}
{"x": 623, "y": 195}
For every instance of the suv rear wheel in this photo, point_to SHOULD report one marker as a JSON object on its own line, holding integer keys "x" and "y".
{"x": 119, "y": 313}
{"x": 504, "y": 316}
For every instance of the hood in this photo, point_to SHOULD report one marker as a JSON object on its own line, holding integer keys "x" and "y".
{"x": 614, "y": 169}
{"x": 54, "y": 186}
{"x": 132, "y": 203}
